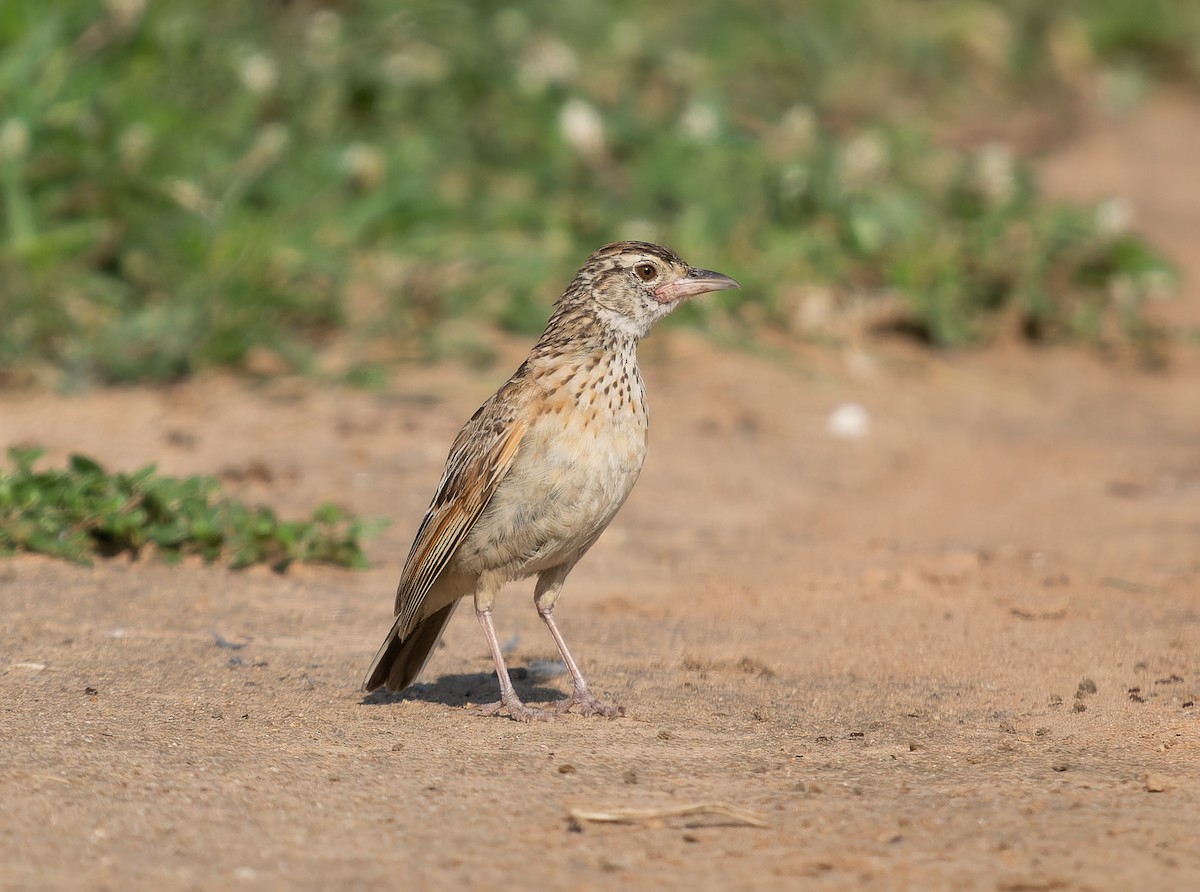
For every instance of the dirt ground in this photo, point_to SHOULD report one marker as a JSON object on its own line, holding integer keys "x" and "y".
{"x": 959, "y": 652}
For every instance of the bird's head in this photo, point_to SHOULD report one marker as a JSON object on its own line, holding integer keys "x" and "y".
{"x": 628, "y": 286}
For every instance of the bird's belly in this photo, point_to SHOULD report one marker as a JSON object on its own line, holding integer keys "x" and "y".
{"x": 570, "y": 478}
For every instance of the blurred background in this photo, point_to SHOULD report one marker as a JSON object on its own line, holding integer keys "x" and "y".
{"x": 332, "y": 187}
{"x": 913, "y": 568}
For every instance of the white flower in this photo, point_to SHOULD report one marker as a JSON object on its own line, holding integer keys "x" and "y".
{"x": 417, "y": 64}
{"x": 1114, "y": 217}
{"x": 14, "y": 140}
{"x": 259, "y": 73}
{"x": 582, "y": 127}
{"x": 793, "y": 181}
{"x": 547, "y": 63}
{"x": 324, "y": 28}
{"x": 863, "y": 161}
{"x": 322, "y": 36}
{"x": 699, "y": 122}
{"x": 191, "y": 197}
{"x": 996, "y": 172}
{"x": 798, "y": 128}
{"x": 125, "y": 14}
{"x": 269, "y": 144}
{"x": 365, "y": 164}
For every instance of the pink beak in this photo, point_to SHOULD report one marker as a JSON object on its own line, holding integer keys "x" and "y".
{"x": 697, "y": 281}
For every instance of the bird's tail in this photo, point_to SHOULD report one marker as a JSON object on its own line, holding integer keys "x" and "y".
{"x": 401, "y": 659}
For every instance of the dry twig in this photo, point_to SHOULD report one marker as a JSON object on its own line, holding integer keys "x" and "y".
{"x": 638, "y": 815}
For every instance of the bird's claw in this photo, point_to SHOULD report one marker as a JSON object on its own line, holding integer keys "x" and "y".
{"x": 588, "y": 704}
{"x": 518, "y": 711}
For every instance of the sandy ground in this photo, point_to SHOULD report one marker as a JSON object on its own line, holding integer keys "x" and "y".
{"x": 960, "y": 652}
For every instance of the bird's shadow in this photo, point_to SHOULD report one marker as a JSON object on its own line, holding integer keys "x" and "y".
{"x": 467, "y": 688}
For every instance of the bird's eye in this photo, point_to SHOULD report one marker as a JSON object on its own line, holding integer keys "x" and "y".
{"x": 645, "y": 271}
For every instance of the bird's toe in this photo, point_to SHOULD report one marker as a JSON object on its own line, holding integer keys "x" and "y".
{"x": 588, "y": 704}
{"x": 596, "y": 707}
{"x": 518, "y": 711}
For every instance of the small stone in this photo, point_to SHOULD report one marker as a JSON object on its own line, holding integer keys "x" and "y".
{"x": 849, "y": 421}
{"x": 1156, "y": 783}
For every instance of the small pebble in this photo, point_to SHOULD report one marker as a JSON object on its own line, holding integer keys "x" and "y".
{"x": 849, "y": 421}
{"x": 1156, "y": 783}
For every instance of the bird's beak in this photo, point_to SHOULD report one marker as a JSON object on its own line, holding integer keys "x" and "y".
{"x": 697, "y": 281}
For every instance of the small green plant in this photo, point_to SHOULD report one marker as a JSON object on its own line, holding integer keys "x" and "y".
{"x": 83, "y": 510}
{"x": 186, "y": 185}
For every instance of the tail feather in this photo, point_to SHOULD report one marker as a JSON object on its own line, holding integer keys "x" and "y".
{"x": 401, "y": 659}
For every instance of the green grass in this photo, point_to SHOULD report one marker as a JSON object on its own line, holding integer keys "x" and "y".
{"x": 191, "y": 185}
{"x": 82, "y": 511}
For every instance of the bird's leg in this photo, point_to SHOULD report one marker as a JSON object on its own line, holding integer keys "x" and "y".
{"x": 508, "y": 695}
{"x": 582, "y": 694}
{"x": 549, "y": 585}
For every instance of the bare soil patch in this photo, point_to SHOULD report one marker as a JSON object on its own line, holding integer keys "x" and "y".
{"x": 960, "y": 652}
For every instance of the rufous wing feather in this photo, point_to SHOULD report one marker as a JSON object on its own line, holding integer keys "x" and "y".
{"x": 479, "y": 459}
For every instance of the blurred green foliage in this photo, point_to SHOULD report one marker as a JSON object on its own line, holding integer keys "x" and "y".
{"x": 82, "y": 510}
{"x": 191, "y": 184}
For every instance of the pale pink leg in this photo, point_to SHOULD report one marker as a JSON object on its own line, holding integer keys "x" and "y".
{"x": 582, "y": 694}
{"x": 508, "y": 696}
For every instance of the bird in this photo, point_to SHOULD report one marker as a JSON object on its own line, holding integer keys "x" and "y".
{"x": 540, "y": 470}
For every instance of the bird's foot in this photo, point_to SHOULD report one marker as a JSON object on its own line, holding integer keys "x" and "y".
{"x": 588, "y": 705}
{"x": 518, "y": 710}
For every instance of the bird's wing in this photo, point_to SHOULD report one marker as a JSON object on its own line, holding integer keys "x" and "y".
{"x": 482, "y": 454}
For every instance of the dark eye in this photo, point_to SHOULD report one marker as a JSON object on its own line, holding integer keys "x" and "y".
{"x": 645, "y": 271}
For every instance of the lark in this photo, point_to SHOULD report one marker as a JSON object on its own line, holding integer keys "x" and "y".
{"x": 541, "y": 469}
